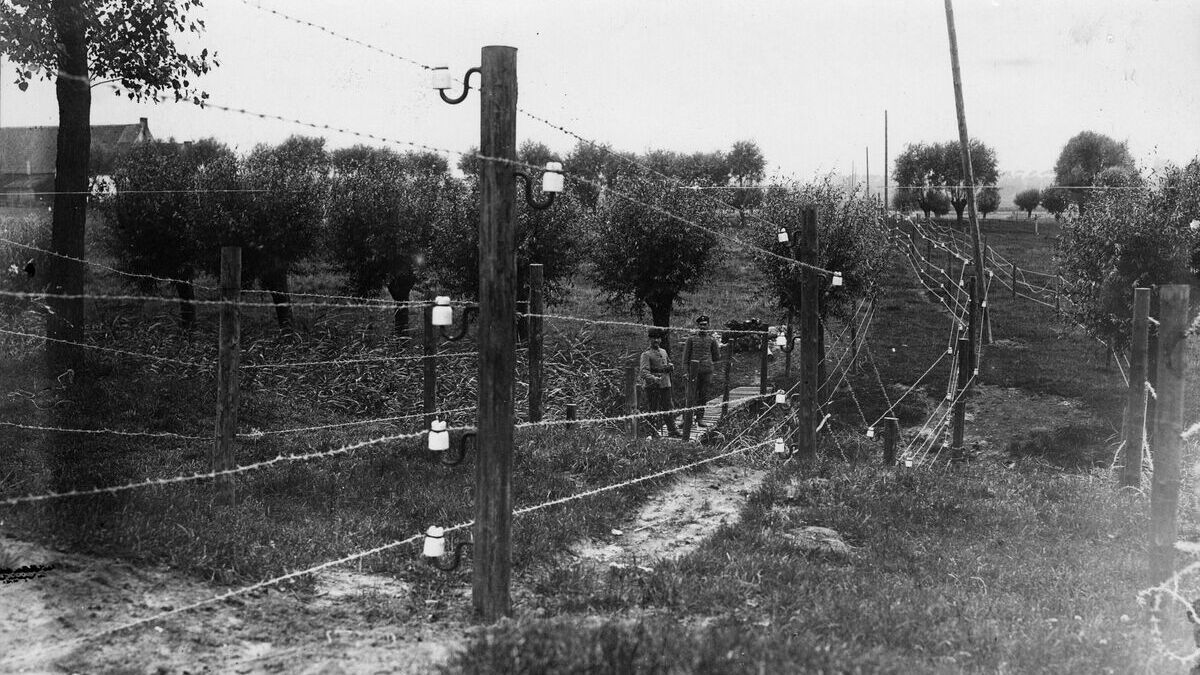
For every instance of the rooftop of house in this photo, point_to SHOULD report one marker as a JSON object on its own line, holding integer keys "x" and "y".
{"x": 32, "y": 149}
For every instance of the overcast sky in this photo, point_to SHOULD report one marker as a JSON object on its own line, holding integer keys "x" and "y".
{"x": 808, "y": 81}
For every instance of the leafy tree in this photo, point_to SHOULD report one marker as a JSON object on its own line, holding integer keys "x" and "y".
{"x": 1126, "y": 238}
{"x": 1028, "y": 200}
{"x": 646, "y": 258}
{"x": 1055, "y": 200}
{"x": 746, "y": 166}
{"x": 1084, "y": 158}
{"x": 988, "y": 200}
{"x": 70, "y": 41}
{"x": 166, "y": 194}
{"x": 536, "y": 154}
{"x": 928, "y": 169}
{"x": 381, "y": 208}
{"x": 289, "y": 186}
{"x": 591, "y": 164}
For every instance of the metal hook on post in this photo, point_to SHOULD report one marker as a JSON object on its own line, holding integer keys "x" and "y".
{"x": 552, "y": 184}
{"x": 441, "y": 82}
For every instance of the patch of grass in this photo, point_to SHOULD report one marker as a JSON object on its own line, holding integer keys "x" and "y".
{"x": 1072, "y": 446}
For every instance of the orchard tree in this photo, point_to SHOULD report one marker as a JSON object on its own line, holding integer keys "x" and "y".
{"x": 289, "y": 186}
{"x": 1136, "y": 237}
{"x": 381, "y": 209}
{"x": 928, "y": 169}
{"x": 983, "y": 170}
{"x": 1084, "y": 158}
{"x": 746, "y": 167}
{"x": 643, "y": 257}
{"x": 166, "y": 195}
{"x": 1056, "y": 200}
{"x": 131, "y": 42}
{"x": 988, "y": 200}
{"x": 588, "y": 167}
{"x": 1028, "y": 200}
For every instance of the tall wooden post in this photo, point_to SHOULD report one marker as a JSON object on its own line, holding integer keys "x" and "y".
{"x": 891, "y": 432}
{"x": 1014, "y": 281}
{"x": 228, "y": 393}
{"x": 1168, "y": 425}
{"x": 693, "y": 369}
{"x": 959, "y": 410}
{"x": 1135, "y": 400}
{"x": 728, "y": 367}
{"x": 886, "y": 203}
{"x": 429, "y": 366}
{"x": 631, "y": 397}
{"x": 1057, "y": 293}
{"x": 789, "y": 336}
{"x": 536, "y": 307}
{"x": 973, "y": 319}
{"x": 806, "y": 436}
{"x": 570, "y": 416}
{"x": 492, "y": 552}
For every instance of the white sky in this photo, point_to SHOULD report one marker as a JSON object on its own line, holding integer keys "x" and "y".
{"x": 808, "y": 81}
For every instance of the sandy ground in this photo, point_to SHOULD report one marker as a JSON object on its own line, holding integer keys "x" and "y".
{"x": 51, "y": 624}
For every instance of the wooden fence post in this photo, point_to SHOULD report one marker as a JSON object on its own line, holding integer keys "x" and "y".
{"x": 536, "y": 307}
{"x": 693, "y": 369}
{"x": 631, "y": 399}
{"x": 1057, "y": 293}
{"x": 728, "y": 367}
{"x": 789, "y": 335}
{"x": 1014, "y": 281}
{"x": 762, "y": 366}
{"x": 810, "y": 335}
{"x": 1168, "y": 424}
{"x": 429, "y": 365}
{"x": 891, "y": 432}
{"x": 228, "y": 393}
{"x": 492, "y": 538}
{"x": 570, "y": 416}
{"x": 1135, "y": 401}
{"x": 959, "y": 410}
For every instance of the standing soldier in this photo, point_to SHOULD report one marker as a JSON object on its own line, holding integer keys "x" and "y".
{"x": 702, "y": 346}
{"x": 655, "y": 370}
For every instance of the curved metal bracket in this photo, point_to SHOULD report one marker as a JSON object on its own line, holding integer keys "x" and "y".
{"x": 466, "y": 88}
{"x": 454, "y": 562}
{"x": 461, "y": 455}
{"x": 462, "y": 331}
{"x": 533, "y": 204}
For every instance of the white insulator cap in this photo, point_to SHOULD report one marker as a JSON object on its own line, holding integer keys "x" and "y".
{"x": 780, "y": 448}
{"x": 443, "y": 315}
{"x": 439, "y": 438}
{"x": 439, "y": 77}
{"x": 908, "y": 463}
{"x": 870, "y": 432}
{"x": 780, "y": 397}
{"x": 782, "y": 237}
{"x": 837, "y": 279}
{"x": 435, "y": 542}
{"x": 780, "y": 341}
{"x": 552, "y": 180}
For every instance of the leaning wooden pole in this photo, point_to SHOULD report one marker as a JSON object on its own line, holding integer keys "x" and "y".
{"x": 964, "y": 143}
{"x": 228, "y": 394}
{"x": 1135, "y": 401}
{"x": 1168, "y": 426}
{"x": 806, "y": 436}
{"x": 492, "y": 551}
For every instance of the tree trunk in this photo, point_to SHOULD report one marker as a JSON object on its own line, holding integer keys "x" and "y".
{"x": 276, "y": 282}
{"x": 400, "y": 286}
{"x": 958, "y": 209}
{"x": 660, "y": 315}
{"x": 66, "y": 320}
{"x": 187, "y": 305}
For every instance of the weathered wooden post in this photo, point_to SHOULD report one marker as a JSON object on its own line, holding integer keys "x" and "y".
{"x": 764, "y": 347}
{"x": 693, "y": 369}
{"x": 891, "y": 432}
{"x": 787, "y": 356}
{"x": 536, "y": 307}
{"x": 429, "y": 366}
{"x": 810, "y": 330}
{"x": 631, "y": 398}
{"x": 1168, "y": 424}
{"x": 492, "y": 549}
{"x": 1014, "y": 281}
{"x": 959, "y": 409}
{"x": 1057, "y": 293}
{"x": 728, "y": 366}
{"x": 229, "y": 356}
{"x": 1135, "y": 401}
{"x": 570, "y": 416}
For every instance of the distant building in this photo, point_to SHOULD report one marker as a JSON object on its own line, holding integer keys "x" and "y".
{"x": 27, "y": 157}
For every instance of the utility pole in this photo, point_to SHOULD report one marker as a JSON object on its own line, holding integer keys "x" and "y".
{"x": 885, "y": 161}
{"x": 492, "y": 571}
{"x": 809, "y": 339}
{"x": 964, "y": 145}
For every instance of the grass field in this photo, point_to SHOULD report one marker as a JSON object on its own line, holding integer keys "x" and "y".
{"x": 1005, "y": 564}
